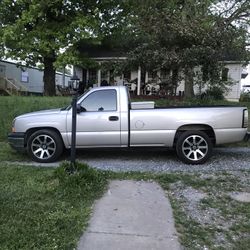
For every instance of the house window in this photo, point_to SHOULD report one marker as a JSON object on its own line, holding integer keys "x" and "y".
{"x": 127, "y": 75}
{"x": 92, "y": 75}
{"x": 24, "y": 76}
{"x": 205, "y": 76}
{"x": 104, "y": 75}
{"x": 165, "y": 73}
{"x": 152, "y": 74}
{"x": 224, "y": 74}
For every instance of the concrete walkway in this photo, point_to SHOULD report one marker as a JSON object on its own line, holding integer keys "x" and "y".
{"x": 131, "y": 215}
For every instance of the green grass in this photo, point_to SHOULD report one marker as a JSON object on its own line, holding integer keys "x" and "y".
{"x": 9, "y": 154}
{"x": 49, "y": 209}
{"x": 44, "y": 208}
{"x": 12, "y": 106}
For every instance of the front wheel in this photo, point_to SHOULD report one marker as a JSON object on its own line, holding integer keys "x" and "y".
{"x": 45, "y": 146}
{"x": 194, "y": 147}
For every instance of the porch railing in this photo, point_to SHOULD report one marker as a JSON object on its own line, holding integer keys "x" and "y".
{"x": 11, "y": 86}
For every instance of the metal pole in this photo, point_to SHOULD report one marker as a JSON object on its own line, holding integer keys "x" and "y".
{"x": 73, "y": 133}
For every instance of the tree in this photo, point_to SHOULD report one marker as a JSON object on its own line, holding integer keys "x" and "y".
{"x": 35, "y": 31}
{"x": 181, "y": 35}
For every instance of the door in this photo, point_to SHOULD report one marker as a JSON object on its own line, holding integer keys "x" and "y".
{"x": 98, "y": 125}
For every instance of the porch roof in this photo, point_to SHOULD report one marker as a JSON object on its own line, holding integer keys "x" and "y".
{"x": 101, "y": 51}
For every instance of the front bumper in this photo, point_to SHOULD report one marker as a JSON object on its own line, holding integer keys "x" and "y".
{"x": 16, "y": 141}
{"x": 247, "y": 136}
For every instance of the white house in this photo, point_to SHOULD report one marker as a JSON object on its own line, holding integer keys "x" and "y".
{"x": 96, "y": 76}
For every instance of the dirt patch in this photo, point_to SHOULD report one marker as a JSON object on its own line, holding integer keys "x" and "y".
{"x": 214, "y": 205}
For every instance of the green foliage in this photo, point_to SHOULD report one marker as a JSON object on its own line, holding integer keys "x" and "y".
{"x": 88, "y": 181}
{"x": 9, "y": 154}
{"x": 184, "y": 34}
{"x": 12, "y": 106}
{"x": 214, "y": 78}
{"x": 214, "y": 93}
{"x": 46, "y": 31}
{"x": 35, "y": 29}
{"x": 43, "y": 209}
{"x": 245, "y": 97}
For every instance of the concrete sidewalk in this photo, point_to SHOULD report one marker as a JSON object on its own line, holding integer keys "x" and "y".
{"x": 131, "y": 215}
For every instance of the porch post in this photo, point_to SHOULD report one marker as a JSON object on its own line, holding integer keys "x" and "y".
{"x": 146, "y": 77}
{"x": 99, "y": 77}
{"x": 139, "y": 81}
{"x": 87, "y": 76}
{"x": 109, "y": 77}
{"x": 159, "y": 76}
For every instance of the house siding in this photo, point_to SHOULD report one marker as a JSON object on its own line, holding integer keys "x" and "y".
{"x": 35, "y": 76}
{"x": 234, "y": 73}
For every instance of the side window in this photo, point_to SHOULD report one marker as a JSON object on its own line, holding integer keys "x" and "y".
{"x": 100, "y": 100}
{"x": 224, "y": 74}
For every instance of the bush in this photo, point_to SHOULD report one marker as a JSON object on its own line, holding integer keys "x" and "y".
{"x": 214, "y": 93}
{"x": 245, "y": 97}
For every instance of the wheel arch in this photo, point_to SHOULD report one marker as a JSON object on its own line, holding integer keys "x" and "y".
{"x": 196, "y": 127}
{"x": 30, "y": 131}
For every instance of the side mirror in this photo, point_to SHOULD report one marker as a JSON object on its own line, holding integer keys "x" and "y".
{"x": 80, "y": 109}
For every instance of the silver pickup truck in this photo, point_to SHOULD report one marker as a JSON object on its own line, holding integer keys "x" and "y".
{"x": 107, "y": 118}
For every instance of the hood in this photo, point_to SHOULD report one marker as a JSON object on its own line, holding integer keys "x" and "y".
{"x": 39, "y": 113}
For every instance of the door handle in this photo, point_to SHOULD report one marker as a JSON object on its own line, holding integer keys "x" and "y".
{"x": 113, "y": 118}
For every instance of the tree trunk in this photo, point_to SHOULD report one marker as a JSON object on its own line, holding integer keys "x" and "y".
{"x": 189, "y": 82}
{"x": 49, "y": 76}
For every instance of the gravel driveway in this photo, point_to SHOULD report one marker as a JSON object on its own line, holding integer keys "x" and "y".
{"x": 165, "y": 160}
{"x": 159, "y": 160}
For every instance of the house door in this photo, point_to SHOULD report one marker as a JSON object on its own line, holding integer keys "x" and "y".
{"x": 2, "y": 70}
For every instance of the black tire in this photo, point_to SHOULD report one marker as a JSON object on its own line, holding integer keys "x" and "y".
{"x": 45, "y": 146}
{"x": 194, "y": 147}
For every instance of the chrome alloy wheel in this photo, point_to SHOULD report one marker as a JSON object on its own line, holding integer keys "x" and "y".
{"x": 195, "y": 147}
{"x": 43, "y": 147}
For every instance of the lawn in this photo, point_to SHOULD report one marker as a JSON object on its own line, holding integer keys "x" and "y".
{"x": 12, "y": 106}
{"x": 44, "y": 208}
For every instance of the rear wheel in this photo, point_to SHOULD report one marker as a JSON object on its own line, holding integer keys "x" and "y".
{"x": 194, "y": 147}
{"x": 45, "y": 146}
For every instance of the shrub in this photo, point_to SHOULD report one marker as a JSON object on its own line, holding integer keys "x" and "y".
{"x": 214, "y": 93}
{"x": 245, "y": 97}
